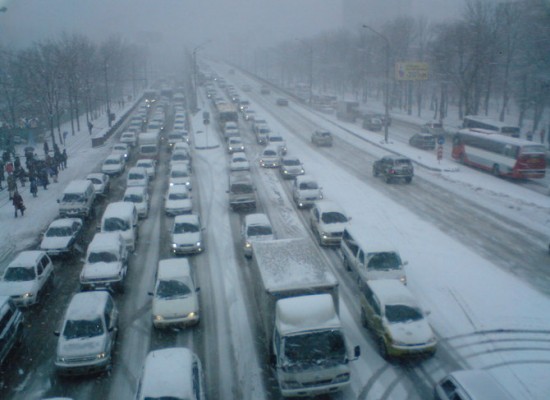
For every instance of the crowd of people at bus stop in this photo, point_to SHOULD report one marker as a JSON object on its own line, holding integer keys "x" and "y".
{"x": 37, "y": 171}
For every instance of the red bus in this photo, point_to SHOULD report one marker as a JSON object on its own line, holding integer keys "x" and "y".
{"x": 502, "y": 155}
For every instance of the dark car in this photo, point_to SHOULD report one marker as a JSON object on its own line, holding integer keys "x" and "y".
{"x": 393, "y": 168}
{"x": 282, "y": 102}
{"x": 372, "y": 124}
{"x": 423, "y": 140}
{"x": 321, "y": 138}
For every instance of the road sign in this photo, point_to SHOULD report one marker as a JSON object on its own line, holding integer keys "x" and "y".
{"x": 411, "y": 71}
{"x": 441, "y": 140}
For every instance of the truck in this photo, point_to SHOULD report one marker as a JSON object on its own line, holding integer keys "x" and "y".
{"x": 347, "y": 110}
{"x": 242, "y": 192}
{"x": 297, "y": 299}
{"x": 226, "y": 112}
{"x": 149, "y": 143}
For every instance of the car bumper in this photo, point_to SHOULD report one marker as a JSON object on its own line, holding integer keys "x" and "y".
{"x": 411, "y": 351}
{"x": 178, "y": 321}
{"x": 83, "y": 367}
{"x": 181, "y": 250}
{"x": 177, "y": 211}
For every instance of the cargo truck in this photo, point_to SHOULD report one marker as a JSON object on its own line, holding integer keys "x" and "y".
{"x": 149, "y": 143}
{"x": 297, "y": 300}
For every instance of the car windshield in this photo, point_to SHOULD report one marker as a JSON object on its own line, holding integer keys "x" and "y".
{"x": 59, "y": 231}
{"x": 309, "y": 185}
{"x": 402, "y": 162}
{"x": 148, "y": 149}
{"x": 170, "y": 289}
{"x": 324, "y": 134}
{"x": 259, "y": 230}
{"x": 270, "y": 153}
{"x": 115, "y": 224}
{"x": 241, "y": 188}
{"x": 185, "y": 227}
{"x": 136, "y": 176}
{"x": 73, "y": 198}
{"x": 19, "y": 274}
{"x": 144, "y": 165}
{"x": 175, "y": 136}
{"x": 333, "y": 217}
{"x": 83, "y": 328}
{"x": 291, "y": 162}
{"x": 384, "y": 261}
{"x": 178, "y": 196}
{"x": 179, "y": 157}
{"x": 102, "y": 256}
{"x": 322, "y": 347}
{"x": 239, "y": 159}
{"x": 133, "y": 198}
{"x": 398, "y": 313}
{"x": 179, "y": 174}
{"x": 112, "y": 161}
{"x": 275, "y": 139}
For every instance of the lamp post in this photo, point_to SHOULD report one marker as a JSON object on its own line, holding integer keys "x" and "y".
{"x": 107, "y": 94}
{"x": 310, "y": 67}
{"x": 386, "y": 85}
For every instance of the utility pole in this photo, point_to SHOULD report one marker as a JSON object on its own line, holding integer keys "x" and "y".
{"x": 107, "y": 94}
{"x": 310, "y": 69}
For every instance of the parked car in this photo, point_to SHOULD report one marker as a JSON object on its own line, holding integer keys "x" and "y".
{"x": 328, "y": 221}
{"x": 171, "y": 373}
{"x": 139, "y": 196}
{"x": 282, "y": 101}
{"x": 11, "y": 327}
{"x": 101, "y": 182}
{"x": 62, "y": 237}
{"x": 291, "y": 167}
{"x": 180, "y": 175}
{"x": 88, "y": 334}
{"x": 321, "y": 138}
{"x": 187, "y": 235}
{"x": 305, "y": 191}
{"x": 395, "y": 319}
{"x": 270, "y": 158}
{"x": 114, "y": 164}
{"x": 175, "y": 298}
{"x": 239, "y": 162}
{"x": 149, "y": 165}
{"x": 422, "y": 140}
{"x": 177, "y": 200}
{"x": 27, "y": 277}
{"x": 472, "y": 384}
{"x": 393, "y": 167}
{"x": 255, "y": 227}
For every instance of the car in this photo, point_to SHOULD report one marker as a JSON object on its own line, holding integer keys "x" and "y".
{"x": 27, "y": 277}
{"x": 277, "y": 140}
{"x": 106, "y": 263}
{"x": 122, "y": 217}
{"x": 11, "y": 327}
{"x": 265, "y": 90}
{"x": 393, "y": 316}
{"x": 179, "y": 134}
{"x": 291, "y": 167}
{"x": 255, "y": 227}
{"x": 243, "y": 105}
{"x": 235, "y": 144}
{"x": 187, "y": 235}
{"x": 434, "y": 127}
{"x": 423, "y": 140}
{"x": 321, "y": 138}
{"x": 261, "y": 130}
{"x": 474, "y": 384}
{"x": 137, "y": 177}
{"x": 140, "y": 197}
{"x": 270, "y": 157}
{"x": 149, "y": 166}
{"x": 281, "y": 101}
{"x": 121, "y": 148}
{"x": 305, "y": 191}
{"x": 101, "y": 182}
{"x": 249, "y": 114}
{"x": 180, "y": 175}
{"x": 88, "y": 334}
{"x": 129, "y": 137}
{"x": 171, "y": 373}
{"x": 392, "y": 168}
{"x": 177, "y": 200}
{"x": 175, "y": 297}
{"x": 181, "y": 157}
{"x": 62, "y": 238}
{"x": 114, "y": 165}
{"x": 328, "y": 221}
{"x": 372, "y": 123}
{"x": 239, "y": 162}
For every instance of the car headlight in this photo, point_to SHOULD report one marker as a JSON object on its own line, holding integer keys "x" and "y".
{"x": 191, "y": 315}
{"x": 101, "y": 356}
{"x": 285, "y": 171}
{"x": 28, "y": 295}
{"x": 403, "y": 280}
{"x": 302, "y": 171}
{"x": 248, "y": 245}
{"x": 290, "y": 384}
{"x": 198, "y": 244}
{"x": 188, "y": 183}
{"x": 174, "y": 245}
{"x": 158, "y": 318}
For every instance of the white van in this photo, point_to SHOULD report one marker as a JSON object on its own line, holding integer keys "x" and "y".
{"x": 305, "y": 191}
{"x": 122, "y": 217}
{"x": 369, "y": 258}
{"x": 77, "y": 199}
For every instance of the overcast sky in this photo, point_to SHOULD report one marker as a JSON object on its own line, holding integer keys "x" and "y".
{"x": 174, "y": 24}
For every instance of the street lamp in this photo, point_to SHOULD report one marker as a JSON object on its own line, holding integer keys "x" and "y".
{"x": 310, "y": 51}
{"x": 107, "y": 94}
{"x": 386, "y": 85}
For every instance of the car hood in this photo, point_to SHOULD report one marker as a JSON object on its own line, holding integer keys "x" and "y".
{"x": 17, "y": 288}
{"x": 185, "y": 203}
{"x": 175, "y": 307}
{"x": 111, "y": 167}
{"x": 100, "y": 270}
{"x": 186, "y": 238}
{"x": 81, "y": 346}
{"x": 331, "y": 228}
{"x": 412, "y": 332}
{"x": 52, "y": 243}
{"x": 293, "y": 168}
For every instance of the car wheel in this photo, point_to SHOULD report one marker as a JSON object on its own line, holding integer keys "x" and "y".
{"x": 408, "y": 180}
{"x": 387, "y": 179}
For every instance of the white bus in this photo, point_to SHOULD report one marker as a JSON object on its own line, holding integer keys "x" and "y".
{"x": 477, "y": 122}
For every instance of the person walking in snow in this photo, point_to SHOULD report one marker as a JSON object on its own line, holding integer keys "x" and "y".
{"x": 2, "y": 176}
{"x": 18, "y": 203}
{"x": 12, "y": 185}
{"x": 64, "y": 158}
{"x": 34, "y": 186}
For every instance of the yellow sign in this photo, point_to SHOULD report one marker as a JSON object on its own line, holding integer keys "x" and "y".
{"x": 411, "y": 71}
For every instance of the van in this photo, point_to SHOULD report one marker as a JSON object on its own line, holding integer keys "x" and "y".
{"x": 470, "y": 385}
{"x": 242, "y": 192}
{"x": 11, "y": 327}
{"x": 369, "y": 258}
{"x": 88, "y": 334}
{"x": 77, "y": 199}
{"x": 121, "y": 217}
{"x": 305, "y": 191}
{"x": 328, "y": 221}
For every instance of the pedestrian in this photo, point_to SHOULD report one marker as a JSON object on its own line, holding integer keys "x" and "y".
{"x": 90, "y": 126}
{"x": 17, "y": 162}
{"x": 542, "y": 135}
{"x": 18, "y": 203}
{"x": 12, "y": 185}
{"x": 20, "y": 174}
{"x": 9, "y": 167}
{"x": 34, "y": 186}
{"x": 44, "y": 177}
{"x": 58, "y": 159}
{"x": 53, "y": 172}
{"x": 64, "y": 158}
{"x": 46, "y": 148}
{"x": 2, "y": 176}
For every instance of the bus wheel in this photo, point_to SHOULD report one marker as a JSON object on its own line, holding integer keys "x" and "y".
{"x": 496, "y": 170}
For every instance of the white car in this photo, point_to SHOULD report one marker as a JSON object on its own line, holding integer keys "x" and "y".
{"x": 328, "y": 221}
{"x": 235, "y": 144}
{"x": 149, "y": 166}
{"x": 255, "y": 227}
{"x": 129, "y": 137}
{"x": 291, "y": 167}
{"x": 270, "y": 157}
{"x": 100, "y": 181}
{"x": 180, "y": 175}
{"x": 239, "y": 162}
{"x": 139, "y": 196}
{"x": 306, "y": 191}
{"x": 175, "y": 299}
{"x": 178, "y": 200}
{"x": 171, "y": 373}
{"x": 121, "y": 148}
{"x": 62, "y": 236}
{"x": 114, "y": 164}
{"x": 180, "y": 157}
{"x": 187, "y": 235}
{"x": 26, "y": 278}
{"x": 137, "y": 177}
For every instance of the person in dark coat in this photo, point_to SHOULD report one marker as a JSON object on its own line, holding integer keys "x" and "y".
{"x": 34, "y": 186}
{"x": 64, "y": 158}
{"x": 12, "y": 185}
{"x": 44, "y": 177}
{"x": 46, "y": 148}
{"x": 2, "y": 176}
{"x": 18, "y": 203}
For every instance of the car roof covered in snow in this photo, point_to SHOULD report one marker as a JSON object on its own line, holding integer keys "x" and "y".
{"x": 61, "y": 222}
{"x": 86, "y": 305}
{"x": 106, "y": 241}
{"x": 173, "y": 268}
{"x": 77, "y": 186}
{"x": 118, "y": 208}
{"x": 392, "y": 291}
{"x": 328, "y": 206}
{"x": 368, "y": 240}
{"x": 256, "y": 219}
{"x": 191, "y": 218}
{"x": 26, "y": 258}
